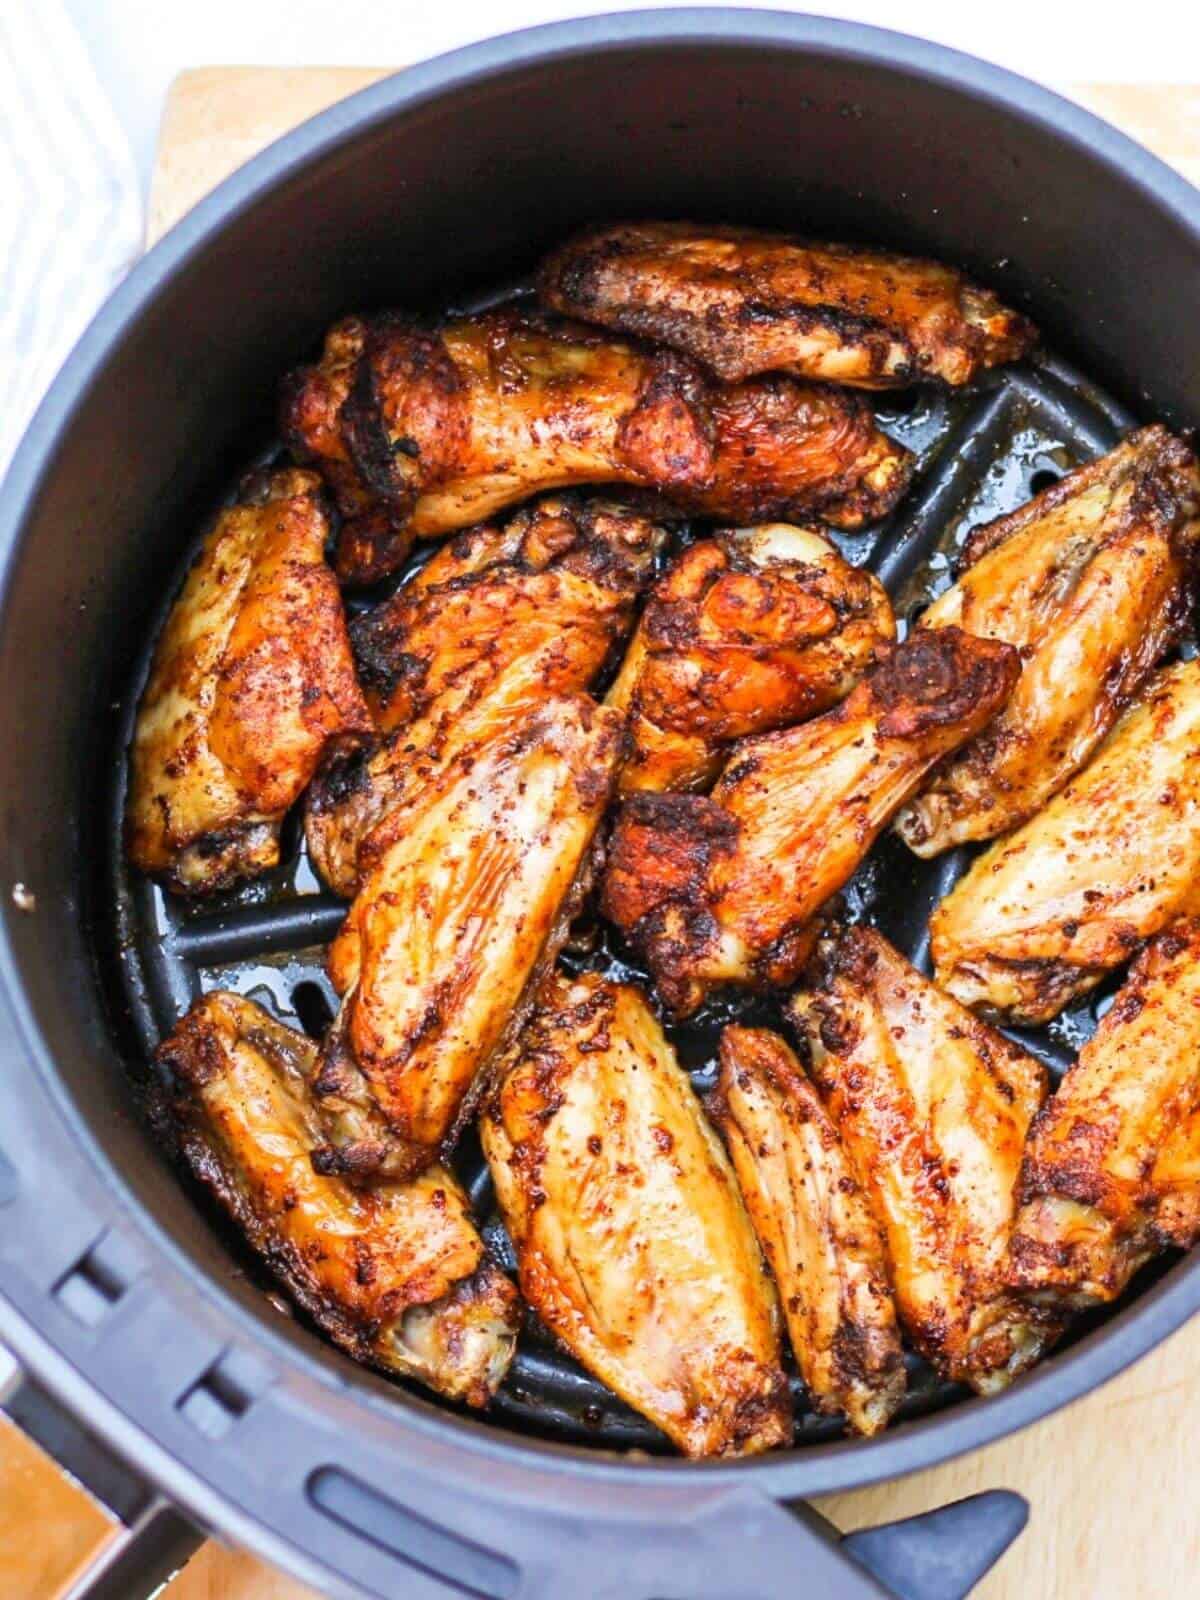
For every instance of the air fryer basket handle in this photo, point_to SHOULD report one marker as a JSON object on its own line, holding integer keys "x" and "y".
{"x": 718, "y": 1544}
{"x": 151, "y": 1541}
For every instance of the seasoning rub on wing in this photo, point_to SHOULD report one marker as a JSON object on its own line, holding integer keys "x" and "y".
{"x": 633, "y": 1243}
{"x": 753, "y": 629}
{"x": 499, "y": 619}
{"x": 1111, "y": 1174}
{"x": 423, "y": 430}
{"x": 252, "y": 683}
{"x": 933, "y": 1107}
{"x": 397, "y": 1274}
{"x": 816, "y": 1228}
{"x": 477, "y": 878}
{"x": 744, "y": 301}
{"x": 1113, "y": 859}
{"x": 727, "y": 889}
{"x": 1092, "y": 581}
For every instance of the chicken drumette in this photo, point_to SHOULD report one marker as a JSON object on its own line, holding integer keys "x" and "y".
{"x": 754, "y": 629}
{"x": 424, "y": 430}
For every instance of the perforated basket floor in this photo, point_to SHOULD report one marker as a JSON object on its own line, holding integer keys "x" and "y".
{"x": 981, "y": 453}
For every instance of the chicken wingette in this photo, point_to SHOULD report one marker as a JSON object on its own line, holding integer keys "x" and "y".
{"x": 816, "y": 1228}
{"x": 744, "y": 301}
{"x": 727, "y": 889}
{"x": 499, "y": 619}
{"x": 252, "y": 682}
{"x": 398, "y": 1274}
{"x": 633, "y": 1243}
{"x": 1044, "y": 913}
{"x": 1111, "y": 1175}
{"x": 424, "y": 430}
{"x": 932, "y": 1107}
{"x": 751, "y": 630}
{"x": 463, "y": 913}
{"x": 1092, "y": 581}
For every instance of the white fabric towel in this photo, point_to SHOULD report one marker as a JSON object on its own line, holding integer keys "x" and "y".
{"x": 70, "y": 203}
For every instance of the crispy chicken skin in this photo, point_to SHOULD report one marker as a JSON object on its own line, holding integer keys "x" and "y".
{"x": 1112, "y": 1168}
{"x": 751, "y": 630}
{"x": 932, "y": 1107}
{"x": 498, "y": 620}
{"x": 744, "y": 301}
{"x": 815, "y": 1226}
{"x": 454, "y": 927}
{"x": 1044, "y": 913}
{"x": 252, "y": 681}
{"x": 425, "y": 430}
{"x": 727, "y": 889}
{"x": 633, "y": 1242}
{"x": 396, "y": 1275}
{"x": 1092, "y": 582}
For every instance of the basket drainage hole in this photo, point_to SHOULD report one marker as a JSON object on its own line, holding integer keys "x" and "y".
{"x": 312, "y": 1008}
{"x": 1043, "y": 479}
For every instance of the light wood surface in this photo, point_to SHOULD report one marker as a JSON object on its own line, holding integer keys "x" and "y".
{"x": 1111, "y": 1479}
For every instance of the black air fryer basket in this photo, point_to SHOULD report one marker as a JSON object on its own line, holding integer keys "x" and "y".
{"x": 156, "y": 1364}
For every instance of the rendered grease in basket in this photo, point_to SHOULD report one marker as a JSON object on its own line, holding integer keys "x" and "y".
{"x": 641, "y": 682}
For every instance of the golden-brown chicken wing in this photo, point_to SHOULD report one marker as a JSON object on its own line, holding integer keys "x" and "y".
{"x": 422, "y": 431}
{"x": 252, "y": 681}
{"x": 397, "y": 1275}
{"x": 1092, "y": 582}
{"x": 751, "y": 630}
{"x": 498, "y": 620}
{"x": 1046, "y": 912}
{"x": 745, "y": 301}
{"x": 1112, "y": 1169}
{"x": 815, "y": 1226}
{"x": 726, "y": 890}
{"x": 633, "y": 1243}
{"x": 453, "y": 928}
{"x": 932, "y": 1107}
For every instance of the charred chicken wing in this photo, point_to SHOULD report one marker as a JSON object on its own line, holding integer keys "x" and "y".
{"x": 726, "y": 890}
{"x": 1046, "y": 912}
{"x": 815, "y": 1226}
{"x": 1112, "y": 1168}
{"x": 1092, "y": 582}
{"x": 933, "y": 1107}
{"x": 422, "y": 431}
{"x": 633, "y": 1243}
{"x": 396, "y": 1275}
{"x": 747, "y": 631}
{"x": 744, "y": 302}
{"x": 252, "y": 682}
{"x": 465, "y": 910}
{"x": 499, "y": 619}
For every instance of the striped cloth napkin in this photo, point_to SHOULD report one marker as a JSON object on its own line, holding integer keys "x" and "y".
{"x": 70, "y": 203}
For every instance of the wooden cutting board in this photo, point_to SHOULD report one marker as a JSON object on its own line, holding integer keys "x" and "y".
{"x": 1111, "y": 1480}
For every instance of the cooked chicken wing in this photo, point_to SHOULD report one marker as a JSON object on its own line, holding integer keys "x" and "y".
{"x": 252, "y": 681}
{"x": 422, "y": 431}
{"x": 933, "y": 1107}
{"x": 397, "y": 1275}
{"x": 726, "y": 890}
{"x": 748, "y": 631}
{"x": 1046, "y": 912}
{"x": 442, "y": 950}
{"x": 1112, "y": 1169}
{"x": 815, "y": 1226}
{"x": 499, "y": 619}
{"x": 1092, "y": 582}
{"x": 633, "y": 1243}
{"x": 745, "y": 301}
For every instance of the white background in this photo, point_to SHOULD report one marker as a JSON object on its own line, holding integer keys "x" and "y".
{"x": 137, "y": 46}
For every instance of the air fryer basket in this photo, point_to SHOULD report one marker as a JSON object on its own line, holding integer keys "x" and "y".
{"x": 128, "y": 1308}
